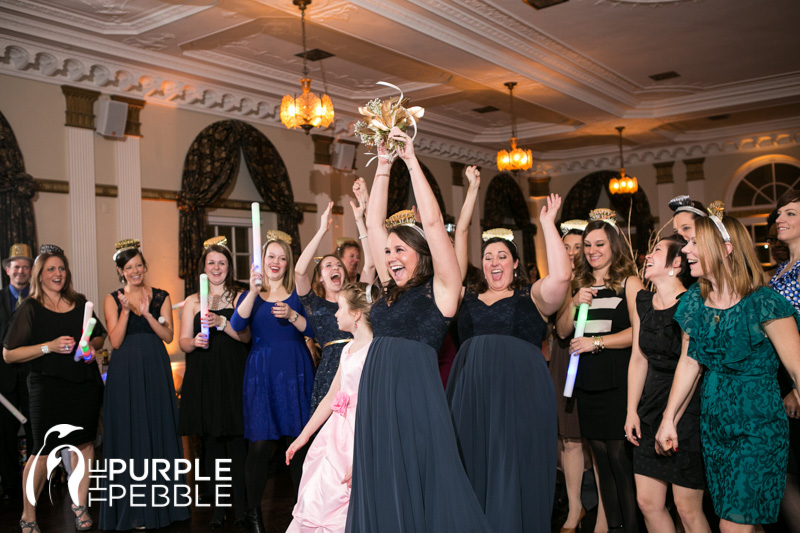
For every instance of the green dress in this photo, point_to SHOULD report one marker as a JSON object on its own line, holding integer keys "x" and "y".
{"x": 744, "y": 429}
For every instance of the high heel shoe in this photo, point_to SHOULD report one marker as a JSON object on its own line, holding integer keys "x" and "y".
{"x": 578, "y": 526}
{"x": 83, "y": 521}
{"x": 255, "y": 523}
{"x": 29, "y": 527}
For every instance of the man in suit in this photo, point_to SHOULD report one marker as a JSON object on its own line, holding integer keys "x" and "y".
{"x": 13, "y": 377}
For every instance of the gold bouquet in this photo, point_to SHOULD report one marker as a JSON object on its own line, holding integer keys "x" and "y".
{"x": 379, "y": 117}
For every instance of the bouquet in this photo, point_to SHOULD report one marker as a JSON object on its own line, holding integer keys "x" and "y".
{"x": 379, "y": 117}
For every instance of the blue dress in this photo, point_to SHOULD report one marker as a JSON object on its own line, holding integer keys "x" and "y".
{"x": 279, "y": 374}
{"x": 140, "y": 421}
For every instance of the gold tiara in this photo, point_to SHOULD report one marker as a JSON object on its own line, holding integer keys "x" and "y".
{"x": 125, "y": 244}
{"x": 341, "y": 241}
{"x": 574, "y": 224}
{"x": 219, "y": 240}
{"x": 401, "y": 218}
{"x": 278, "y": 235}
{"x": 717, "y": 209}
{"x": 604, "y": 214}
{"x": 499, "y": 233}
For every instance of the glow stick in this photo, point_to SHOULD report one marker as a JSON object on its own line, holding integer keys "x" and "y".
{"x": 256, "y": 209}
{"x": 83, "y": 345}
{"x": 575, "y": 357}
{"x": 88, "y": 309}
{"x": 178, "y": 305}
{"x": 13, "y": 410}
{"x": 204, "y": 302}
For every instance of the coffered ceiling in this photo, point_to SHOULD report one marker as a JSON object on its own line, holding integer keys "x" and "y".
{"x": 582, "y": 66}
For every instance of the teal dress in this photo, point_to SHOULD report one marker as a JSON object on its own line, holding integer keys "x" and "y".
{"x": 744, "y": 429}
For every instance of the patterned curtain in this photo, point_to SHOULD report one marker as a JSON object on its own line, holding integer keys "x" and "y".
{"x": 211, "y": 164}
{"x": 584, "y": 195}
{"x": 272, "y": 181}
{"x": 16, "y": 191}
{"x": 400, "y": 186}
{"x": 504, "y": 198}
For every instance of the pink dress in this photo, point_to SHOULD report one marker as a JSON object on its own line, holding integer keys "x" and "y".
{"x": 322, "y": 499}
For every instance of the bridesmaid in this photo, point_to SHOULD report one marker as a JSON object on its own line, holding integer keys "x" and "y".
{"x": 500, "y": 392}
{"x": 686, "y": 211}
{"x": 211, "y": 394}
{"x": 139, "y": 395}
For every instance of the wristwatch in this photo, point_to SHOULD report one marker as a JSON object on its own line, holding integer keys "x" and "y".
{"x": 294, "y": 318}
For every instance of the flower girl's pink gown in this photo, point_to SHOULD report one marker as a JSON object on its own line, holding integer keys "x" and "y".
{"x": 322, "y": 499}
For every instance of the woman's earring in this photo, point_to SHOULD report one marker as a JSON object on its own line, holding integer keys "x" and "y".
{"x": 671, "y": 272}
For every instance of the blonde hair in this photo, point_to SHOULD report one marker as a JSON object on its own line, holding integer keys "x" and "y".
{"x": 288, "y": 275}
{"x": 356, "y": 296}
{"x": 740, "y": 271}
{"x": 622, "y": 265}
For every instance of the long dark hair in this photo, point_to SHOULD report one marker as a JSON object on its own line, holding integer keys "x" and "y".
{"x": 229, "y": 285}
{"x": 123, "y": 258}
{"x": 67, "y": 292}
{"x": 622, "y": 265}
{"x": 520, "y": 277}
{"x": 424, "y": 270}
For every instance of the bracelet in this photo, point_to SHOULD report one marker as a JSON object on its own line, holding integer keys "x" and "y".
{"x": 293, "y": 319}
{"x": 45, "y": 348}
{"x": 224, "y": 323}
{"x": 362, "y": 237}
{"x": 598, "y": 344}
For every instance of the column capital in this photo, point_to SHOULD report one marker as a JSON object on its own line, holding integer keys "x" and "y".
{"x": 80, "y": 106}
{"x": 133, "y": 125}
{"x": 694, "y": 169}
{"x": 664, "y": 172}
{"x": 538, "y": 186}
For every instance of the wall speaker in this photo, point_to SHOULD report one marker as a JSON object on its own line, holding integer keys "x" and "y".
{"x": 343, "y": 156}
{"x": 111, "y": 118}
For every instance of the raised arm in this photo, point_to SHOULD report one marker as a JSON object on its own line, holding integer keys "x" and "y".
{"x": 359, "y": 212}
{"x": 301, "y": 279}
{"x": 446, "y": 273}
{"x": 548, "y": 293}
{"x": 376, "y": 212}
{"x": 460, "y": 240}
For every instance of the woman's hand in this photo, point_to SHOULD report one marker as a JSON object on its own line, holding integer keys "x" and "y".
{"x": 791, "y": 404}
{"x": 666, "y": 438}
{"x": 326, "y": 219}
{"x": 348, "y": 477}
{"x": 384, "y": 159}
{"x": 282, "y": 310}
{"x": 200, "y": 341}
{"x": 255, "y": 280}
{"x": 361, "y": 194}
{"x": 298, "y": 443}
{"x": 144, "y": 304}
{"x": 213, "y": 320}
{"x": 123, "y": 301}
{"x": 581, "y": 345}
{"x": 633, "y": 430}
{"x": 473, "y": 177}
{"x": 584, "y": 296}
{"x": 549, "y": 211}
{"x": 92, "y": 355}
{"x": 406, "y": 151}
{"x": 63, "y": 344}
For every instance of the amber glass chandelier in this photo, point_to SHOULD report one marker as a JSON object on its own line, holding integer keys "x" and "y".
{"x": 308, "y": 110}
{"x": 517, "y": 158}
{"x": 624, "y": 184}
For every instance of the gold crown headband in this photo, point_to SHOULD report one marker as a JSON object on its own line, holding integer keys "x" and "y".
{"x": 341, "y": 241}
{"x": 715, "y": 213}
{"x": 574, "y": 224}
{"x": 277, "y": 235}
{"x": 684, "y": 203}
{"x": 606, "y": 215}
{"x": 404, "y": 218}
{"x": 499, "y": 233}
{"x": 219, "y": 240}
{"x": 124, "y": 245}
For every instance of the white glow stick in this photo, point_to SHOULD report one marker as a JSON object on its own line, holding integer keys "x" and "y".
{"x": 13, "y": 410}
{"x": 575, "y": 357}
{"x": 88, "y": 309}
{"x": 204, "y": 302}
{"x": 256, "y": 209}
{"x": 83, "y": 345}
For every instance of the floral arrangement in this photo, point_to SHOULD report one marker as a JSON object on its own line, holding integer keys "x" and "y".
{"x": 379, "y": 117}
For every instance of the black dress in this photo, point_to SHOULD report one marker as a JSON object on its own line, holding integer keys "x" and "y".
{"x": 61, "y": 390}
{"x": 660, "y": 342}
{"x": 504, "y": 411}
{"x": 407, "y": 475}
{"x": 322, "y": 313}
{"x": 140, "y": 418}
{"x": 211, "y": 394}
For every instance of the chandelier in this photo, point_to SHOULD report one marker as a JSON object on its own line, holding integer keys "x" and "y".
{"x": 517, "y": 158}
{"x": 624, "y": 184}
{"x": 308, "y": 110}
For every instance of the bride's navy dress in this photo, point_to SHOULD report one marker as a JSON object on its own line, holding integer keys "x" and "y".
{"x": 407, "y": 474}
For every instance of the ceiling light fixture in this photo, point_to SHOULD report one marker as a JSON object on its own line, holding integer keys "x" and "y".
{"x": 517, "y": 158}
{"x": 624, "y": 184}
{"x": 308, "y": 110}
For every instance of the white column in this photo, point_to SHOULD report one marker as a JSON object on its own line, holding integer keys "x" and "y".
{"x": 83, "y": 221}
{"x": 129, "y": 188}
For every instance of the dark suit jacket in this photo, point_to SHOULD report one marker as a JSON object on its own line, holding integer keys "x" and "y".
{"x": 8, "y": 373}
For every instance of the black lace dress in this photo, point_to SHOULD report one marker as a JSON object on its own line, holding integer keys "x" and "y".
{"x": 140, "y": 421}
{"x": 331, "y": 339}
{"x": 504, "y": 411}
{"x": 407, "y": 474}
{"x": 660, "y": 342}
